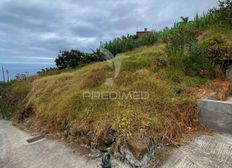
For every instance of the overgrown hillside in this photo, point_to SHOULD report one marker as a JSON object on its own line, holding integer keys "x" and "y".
{"x": 173, "y": 73}
{"x": 168, "y": 111}
{"x": 59, "y": 102}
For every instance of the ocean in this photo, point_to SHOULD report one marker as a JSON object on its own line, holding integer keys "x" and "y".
{"x": 28, "y": 69}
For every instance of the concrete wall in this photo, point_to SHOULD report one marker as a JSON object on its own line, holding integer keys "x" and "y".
{"x": 216, "y": 115}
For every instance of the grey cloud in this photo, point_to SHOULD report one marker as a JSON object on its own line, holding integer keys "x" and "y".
{"x": 39, "y": 28}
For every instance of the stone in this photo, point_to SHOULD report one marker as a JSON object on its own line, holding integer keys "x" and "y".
{"x": 107, "y": 138}
{"x": 64, "y": 133}
{"x": 229, "y": 73}
{"x": 72, "y": 138}
{"x": 138, "y": 146}
{"x": 115, "y": 147}
{"x": 95, "y": 153}
{"x": 110, "y": 136}
{"x": 73, "y": 130}
{"x": 85, "y": 140}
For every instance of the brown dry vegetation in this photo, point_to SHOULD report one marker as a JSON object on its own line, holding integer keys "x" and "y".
{"x": 169, "y": 112}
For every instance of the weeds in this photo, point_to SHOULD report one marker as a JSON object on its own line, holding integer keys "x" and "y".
{"x": 170, "y": 76}
{"x": 5, "y": 109}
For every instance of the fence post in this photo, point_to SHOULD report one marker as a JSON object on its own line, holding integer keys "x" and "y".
{"x": 7, "y": 74}
{"x": 3, "y": 74}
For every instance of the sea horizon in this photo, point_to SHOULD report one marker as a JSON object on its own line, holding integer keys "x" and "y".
{"x": 29, "y": 69}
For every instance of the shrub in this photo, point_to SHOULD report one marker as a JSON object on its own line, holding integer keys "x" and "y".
{"x": 218, "y": 51}
{"x": 49, "y": 71}
{"x": 178, "y": 43}
{"x": 197, "y": 63}
{"x": 129, "y": 42}
{"x": 158, "y": 61}
{"x": 221, "y": 15}
{"x": 178, "y": 40}
{"x": 95, "y": 56}
{"x": 72, "y": 58}
{"x": 76, "y": 58}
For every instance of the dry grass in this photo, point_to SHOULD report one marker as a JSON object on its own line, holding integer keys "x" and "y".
{"x": 167, "y": 114}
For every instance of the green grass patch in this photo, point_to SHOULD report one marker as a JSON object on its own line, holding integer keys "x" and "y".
{"x": 5, "y": 109}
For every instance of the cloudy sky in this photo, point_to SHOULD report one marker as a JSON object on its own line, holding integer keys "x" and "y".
{"x": 33, "y": 31}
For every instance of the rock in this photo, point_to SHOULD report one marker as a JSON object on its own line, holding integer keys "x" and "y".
{"x": 95, "y": 153}
{"x": 229, "y": 73}
{"x": 145, "y": 162}
{"x": 64, "y": 133}
{"x": 114, "y": 147}
{"x": 73, "y": 129}
{"x": 110, "y": 136}
{"x": 138, "y": 146}
{"x": 72, "y": 138}
{"x": 106, "y": 139}
{"x": 29, "y": 123}
{"x": 85, "y": 140}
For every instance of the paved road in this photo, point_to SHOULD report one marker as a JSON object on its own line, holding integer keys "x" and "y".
{"x": 203, "y": 152}
{"x": 15, "y": 152}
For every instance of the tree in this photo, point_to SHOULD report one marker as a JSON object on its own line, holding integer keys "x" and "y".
{"x": 72, "y": 58}
{"x": 76, "y": 58}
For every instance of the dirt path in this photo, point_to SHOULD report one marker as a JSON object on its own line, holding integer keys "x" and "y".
{"x": 15, "y": 152}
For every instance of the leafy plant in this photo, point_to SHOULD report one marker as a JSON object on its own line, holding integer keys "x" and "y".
{"x": 197, "y": 63}
{"x": 218, "y": 51}
{"x": 5, "y": 109}
{"x": 76, "y": 58}
{"x": 176, "y": 44}
{"x": 129, "y": 42}
{"x": 222, "y": 14}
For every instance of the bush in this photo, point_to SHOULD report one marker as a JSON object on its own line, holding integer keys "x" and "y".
{"x": 158, "y": 61}
{"x": 73, "y": 58}
{"x": 48, "y": 71}
{"x": 76, "y": 58}
{"x": 178, "y": 40}
{"x": 218, "y": 51}
{"x": 178, "y": 43}
{"x": 198, "y": 64}
{"x": 221, "y": 15}
{"x": 129, "y": 42}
